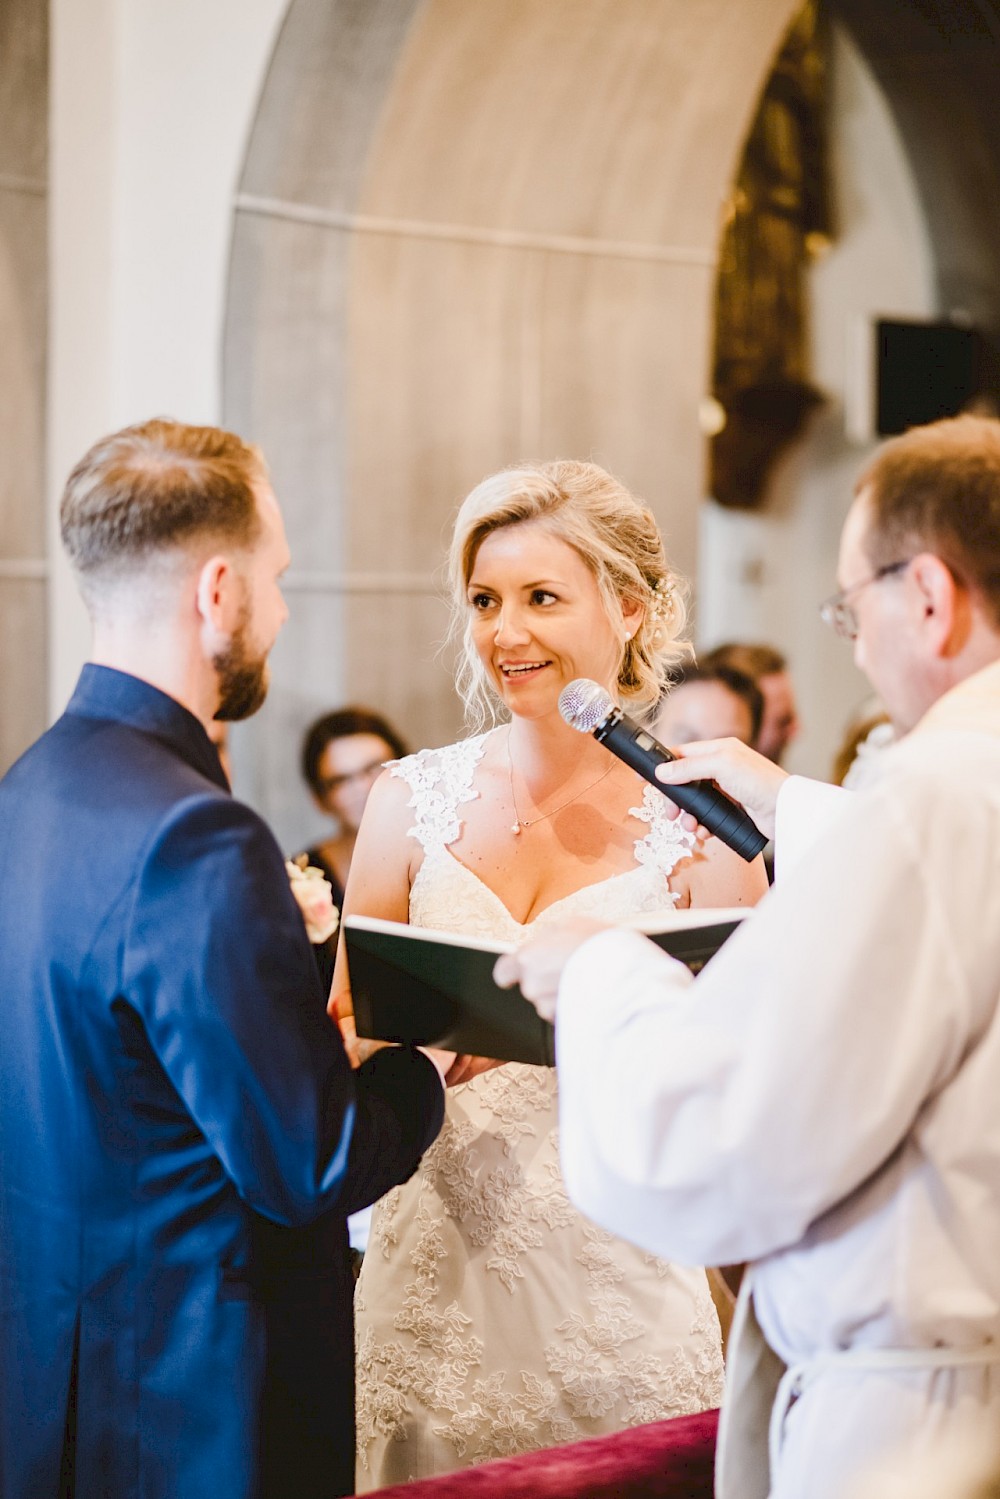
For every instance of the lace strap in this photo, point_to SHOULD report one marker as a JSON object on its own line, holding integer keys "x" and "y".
{"x": 441, "y": 782}
{"x": 666, "y": 843}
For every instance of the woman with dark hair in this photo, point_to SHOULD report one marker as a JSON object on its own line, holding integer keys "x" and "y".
{"x": 342, "y": 755}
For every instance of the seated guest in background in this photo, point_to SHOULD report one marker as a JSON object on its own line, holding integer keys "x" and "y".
{"x": 709, "y": 702}
{"x": 177, "y": 1114}
{"x": 342, "y": 757}
{"x": 492, "y": 1317}
{"x": 821, "y": 1101}
{"x": 769, "y": 669}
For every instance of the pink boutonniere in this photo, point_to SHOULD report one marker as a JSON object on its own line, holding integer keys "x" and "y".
{"x": 314, "y": 894}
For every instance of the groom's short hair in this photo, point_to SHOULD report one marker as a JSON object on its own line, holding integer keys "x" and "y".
{"x": 161, "y": 486}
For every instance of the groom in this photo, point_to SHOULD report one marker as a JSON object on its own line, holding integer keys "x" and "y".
{"x": 181, "y": 1134}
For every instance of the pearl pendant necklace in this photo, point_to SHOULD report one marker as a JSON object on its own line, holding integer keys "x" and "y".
{"x": 520, "y": 823}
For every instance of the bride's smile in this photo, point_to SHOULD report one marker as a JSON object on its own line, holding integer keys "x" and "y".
{"x": 539, "y": 619}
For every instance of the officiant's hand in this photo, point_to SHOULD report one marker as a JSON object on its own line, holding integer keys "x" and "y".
{"x": 537, "y": 967}
{"x": 749, "y": 778}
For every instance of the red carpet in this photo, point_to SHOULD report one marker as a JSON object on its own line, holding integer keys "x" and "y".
{"x": 664, "y": 1460}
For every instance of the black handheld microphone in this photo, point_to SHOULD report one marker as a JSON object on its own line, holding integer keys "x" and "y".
{"x": 587, "y": 706}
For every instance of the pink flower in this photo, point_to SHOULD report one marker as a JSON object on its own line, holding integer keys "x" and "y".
{"x": 314, "y": 894}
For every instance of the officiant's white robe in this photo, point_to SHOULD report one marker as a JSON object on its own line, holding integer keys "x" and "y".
{"x": 824, "y": 1102}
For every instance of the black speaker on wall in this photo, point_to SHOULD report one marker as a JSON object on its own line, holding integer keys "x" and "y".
{"x": 926, "y": 370}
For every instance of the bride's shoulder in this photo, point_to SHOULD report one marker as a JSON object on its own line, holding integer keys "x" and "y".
{"x": 444, "y": 765}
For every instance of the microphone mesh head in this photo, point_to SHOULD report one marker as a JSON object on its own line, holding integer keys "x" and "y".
{"x": 584, "y": 704}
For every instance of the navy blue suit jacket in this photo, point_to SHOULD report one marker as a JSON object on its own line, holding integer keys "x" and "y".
{"x": 175, "y": 1107}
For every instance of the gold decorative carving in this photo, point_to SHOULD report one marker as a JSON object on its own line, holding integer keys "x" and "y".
{"x": 777, "y": 219}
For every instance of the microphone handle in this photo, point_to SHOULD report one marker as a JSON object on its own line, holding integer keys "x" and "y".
{"x": 713, "y": 809}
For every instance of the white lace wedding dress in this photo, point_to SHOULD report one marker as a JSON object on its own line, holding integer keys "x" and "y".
{"x": 491, "y": 1317}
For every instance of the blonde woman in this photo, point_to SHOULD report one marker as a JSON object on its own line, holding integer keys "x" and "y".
{"x": 492, "y": 1318}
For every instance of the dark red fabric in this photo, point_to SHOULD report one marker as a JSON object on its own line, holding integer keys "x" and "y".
{"x": 664, "y": 1460}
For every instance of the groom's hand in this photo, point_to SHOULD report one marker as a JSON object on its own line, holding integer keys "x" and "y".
{"x": 464, "y": 1068}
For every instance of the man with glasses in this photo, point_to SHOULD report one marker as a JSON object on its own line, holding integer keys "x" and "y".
{"x": 822, "y": 1102}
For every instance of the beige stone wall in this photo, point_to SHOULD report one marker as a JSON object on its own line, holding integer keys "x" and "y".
{"x": 23, "y": 571}
{"x": 469, "y": 234}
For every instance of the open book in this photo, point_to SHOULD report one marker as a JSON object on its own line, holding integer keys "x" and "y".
{"x": 434, "y": 989}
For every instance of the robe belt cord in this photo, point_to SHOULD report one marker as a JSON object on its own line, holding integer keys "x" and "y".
{"x": 797, "y": 1377}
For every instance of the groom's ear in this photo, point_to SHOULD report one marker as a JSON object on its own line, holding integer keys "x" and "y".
{"x": 218, "y": 594}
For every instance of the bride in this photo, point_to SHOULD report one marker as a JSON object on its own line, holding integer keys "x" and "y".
{"x": 492, "y": 1318}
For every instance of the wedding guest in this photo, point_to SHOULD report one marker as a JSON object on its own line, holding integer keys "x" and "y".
{"x": 342, "y": 756}
{"x": 768, "y": 668}
{"x": 343, "y": 753}
{"x": 492, "y": 1317}
{"x": 821, "y": 1100}
{"x": 709, "y": 702}
{"x": 181, "y": 1133}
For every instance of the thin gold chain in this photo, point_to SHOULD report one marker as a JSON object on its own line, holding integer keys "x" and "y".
{"x": 525, "y": 822}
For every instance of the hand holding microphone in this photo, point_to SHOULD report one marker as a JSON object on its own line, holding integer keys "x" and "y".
{"x": 589, "y": 707}
{"x": 741, "y": 772}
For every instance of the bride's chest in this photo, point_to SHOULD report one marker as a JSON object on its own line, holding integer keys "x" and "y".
{"x": 531, "y": 867}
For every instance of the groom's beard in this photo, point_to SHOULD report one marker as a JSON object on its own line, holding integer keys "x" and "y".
{"x": 243, "y": 677}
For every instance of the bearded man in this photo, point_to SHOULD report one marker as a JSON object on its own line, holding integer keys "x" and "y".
{"x": 181, "y": 1133}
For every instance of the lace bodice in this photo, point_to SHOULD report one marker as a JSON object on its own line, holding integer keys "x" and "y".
{"x": 447, "y": 895}
{"x": 491, "y": 1317}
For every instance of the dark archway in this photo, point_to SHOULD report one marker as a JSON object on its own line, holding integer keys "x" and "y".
{"x": 938, "y": 63}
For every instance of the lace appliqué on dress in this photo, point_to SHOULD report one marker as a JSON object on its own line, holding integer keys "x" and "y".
{"x": 441, "y": 782}
{"x": 666, "y": 843}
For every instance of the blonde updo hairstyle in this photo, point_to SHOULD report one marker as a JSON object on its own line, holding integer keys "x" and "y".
{"x": 617, "y": 538}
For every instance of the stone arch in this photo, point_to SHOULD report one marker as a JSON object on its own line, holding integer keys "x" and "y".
{"x": 465, "y": 235}
{"x": 469, "y": 234}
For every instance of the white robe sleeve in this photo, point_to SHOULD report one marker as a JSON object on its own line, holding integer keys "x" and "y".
{"x": 712, "y": 1121}
{"x": 805, "y": 811}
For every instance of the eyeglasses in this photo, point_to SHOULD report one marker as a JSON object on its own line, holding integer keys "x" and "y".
{"x": 840, "y": 614}
{"x": 337, "y": 783}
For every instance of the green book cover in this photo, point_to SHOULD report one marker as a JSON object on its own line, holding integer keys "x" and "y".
{"x": 431, "y": 988}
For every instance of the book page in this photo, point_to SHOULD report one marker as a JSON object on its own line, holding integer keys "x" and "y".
{"x": 428, "y": 934}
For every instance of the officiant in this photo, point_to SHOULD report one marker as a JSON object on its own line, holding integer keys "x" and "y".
{"x": 821, "y": 1101}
